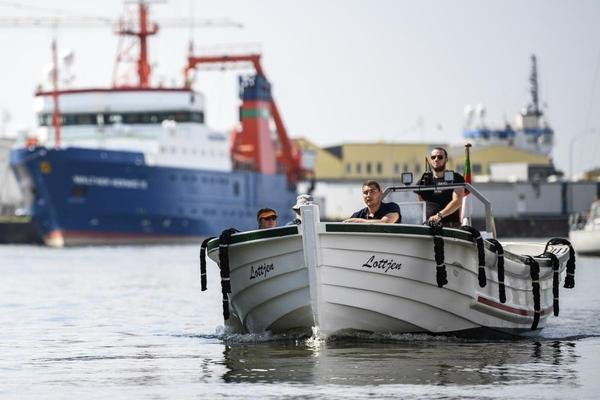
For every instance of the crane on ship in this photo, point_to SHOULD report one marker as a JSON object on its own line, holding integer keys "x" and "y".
{"x": 135, "y": 25}
{"x": 289, "y": 157}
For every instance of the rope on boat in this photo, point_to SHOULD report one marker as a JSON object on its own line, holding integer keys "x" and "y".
{"x": 203, "y": 262}
{"x": 441, "y": 275}
{"x": 534, "y": 272}
{"x": 555, "y": 279}
{"x": 497, "y": 247}
{"x": 570, "y": 278}
{"x": 478, "y": 240}
{"x": 224, "y": 242}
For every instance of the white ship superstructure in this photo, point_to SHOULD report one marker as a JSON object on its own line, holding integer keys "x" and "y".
{"x": 166, "y": 125}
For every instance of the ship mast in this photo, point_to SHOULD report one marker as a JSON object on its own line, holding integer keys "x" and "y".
{"x": 533, "y": 81}
{"x": 144, "y": 30}
{"x": 56, "y": 108}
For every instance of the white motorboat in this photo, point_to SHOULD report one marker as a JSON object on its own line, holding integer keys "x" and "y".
{"x": 585, "y": 231}
{"x": 396, "y": 278}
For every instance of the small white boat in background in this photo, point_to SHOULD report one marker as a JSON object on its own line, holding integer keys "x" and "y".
{"x": 585, "y": 231}
{"x": 388, "y": 278}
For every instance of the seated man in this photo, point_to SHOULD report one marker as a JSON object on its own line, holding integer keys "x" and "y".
{"x": 266, "y": 218}
{"x": 442, "y": 206}
{"x": 376, "y": 212}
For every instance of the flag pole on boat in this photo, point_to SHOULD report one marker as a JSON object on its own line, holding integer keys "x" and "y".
{"x": 465, "y": 210}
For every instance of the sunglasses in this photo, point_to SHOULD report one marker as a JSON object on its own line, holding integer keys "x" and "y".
{"x": 437, "y": 156}
{"x": 271, "y": 218}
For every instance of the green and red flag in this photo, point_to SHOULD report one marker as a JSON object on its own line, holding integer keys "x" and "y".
{"x": 467, "y": 170}
{"x": 465, "y": 210}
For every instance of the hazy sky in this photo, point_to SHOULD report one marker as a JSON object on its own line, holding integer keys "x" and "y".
{"x": 350, "y": 70}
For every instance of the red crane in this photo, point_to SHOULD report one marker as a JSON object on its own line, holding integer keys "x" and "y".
{"x": 289, "y": 156}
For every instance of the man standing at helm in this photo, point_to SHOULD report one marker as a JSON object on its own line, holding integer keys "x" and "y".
{"x": 443, "y": 206}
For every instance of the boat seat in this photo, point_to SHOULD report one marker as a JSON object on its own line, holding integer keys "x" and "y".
{"x": 524, "y": 248}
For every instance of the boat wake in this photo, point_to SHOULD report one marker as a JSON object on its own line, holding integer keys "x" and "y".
{"x": 315, "y": 339}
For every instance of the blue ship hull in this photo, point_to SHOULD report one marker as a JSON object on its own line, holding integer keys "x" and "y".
{"x": 85, "y": 196}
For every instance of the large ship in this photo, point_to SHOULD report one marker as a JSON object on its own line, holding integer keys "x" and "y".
{"x": 530, "y": 131}
{"x": 136, "y": 163}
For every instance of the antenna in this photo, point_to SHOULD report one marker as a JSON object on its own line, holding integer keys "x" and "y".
{"x": 191, "y": 44}
{"x": 534, "y": 90}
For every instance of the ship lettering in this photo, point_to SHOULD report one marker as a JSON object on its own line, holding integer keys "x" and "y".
{"x": 385, "y": 264}
{"x": 261, "y": 271}
{"x": 104, "y": 181}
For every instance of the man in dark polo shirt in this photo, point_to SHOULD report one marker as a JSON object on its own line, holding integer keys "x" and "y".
{"x": 442, "y": 205}
{"x": 376, "y": 212}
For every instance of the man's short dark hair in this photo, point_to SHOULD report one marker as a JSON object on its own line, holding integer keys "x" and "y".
{"x": 441, "y": 149}
{"x": 372, "y": 183}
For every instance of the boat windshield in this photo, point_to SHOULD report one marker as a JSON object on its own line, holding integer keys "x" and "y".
{"x": 490, "y": 227}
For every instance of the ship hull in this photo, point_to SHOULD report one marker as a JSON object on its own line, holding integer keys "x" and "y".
{"x": 86, "y": 196}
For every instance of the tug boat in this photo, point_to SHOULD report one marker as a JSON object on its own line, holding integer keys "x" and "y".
{"x": 334, "y": 278}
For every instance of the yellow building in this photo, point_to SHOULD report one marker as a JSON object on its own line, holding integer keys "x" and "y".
{"x": 324, "y": 164}
{"x": 358, "y": 161}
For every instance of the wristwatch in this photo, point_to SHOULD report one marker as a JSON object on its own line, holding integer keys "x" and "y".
{"x": 439, "y": 214}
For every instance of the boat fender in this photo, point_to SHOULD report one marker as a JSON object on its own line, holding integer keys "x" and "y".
{"x": 555, "y": 279}
{"x": 570, "y": 278}
{"x": 224, "y": 242}
{"x": 497, "y": 247}
{"x": 441, "y": 275}
{"x": 478, "y": 241}
{"x": 534, "y": 272}
{"x": 203, "y": 262}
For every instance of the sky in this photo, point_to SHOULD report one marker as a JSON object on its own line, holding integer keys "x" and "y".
{"x": 348, "y": 70}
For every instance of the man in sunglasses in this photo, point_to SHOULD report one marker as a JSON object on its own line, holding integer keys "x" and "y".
{"x": 442, "y": 206}
{"x": 376, "y": 211}
{"x": 266, "y": 218}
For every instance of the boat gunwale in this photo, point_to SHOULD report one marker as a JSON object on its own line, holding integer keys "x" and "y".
{"x": 394, "y": 229}
{"x": 248, "y": 236}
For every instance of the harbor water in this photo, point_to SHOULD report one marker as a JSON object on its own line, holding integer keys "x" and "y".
{"x": 131, "y": 322}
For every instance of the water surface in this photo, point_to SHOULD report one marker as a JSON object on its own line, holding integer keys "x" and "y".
{"x": 124, "y": 322}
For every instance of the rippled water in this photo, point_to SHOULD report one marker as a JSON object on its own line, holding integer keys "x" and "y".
{"x": 131, "y": 322}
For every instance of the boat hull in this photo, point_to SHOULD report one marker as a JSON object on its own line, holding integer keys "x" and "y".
{"x": 382, "y": 279}
{"x": 269, "y": 282}
{"x": 386, "y": 282}
{"x": 586, "y": 241}
{"x": 84, "y": 196}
